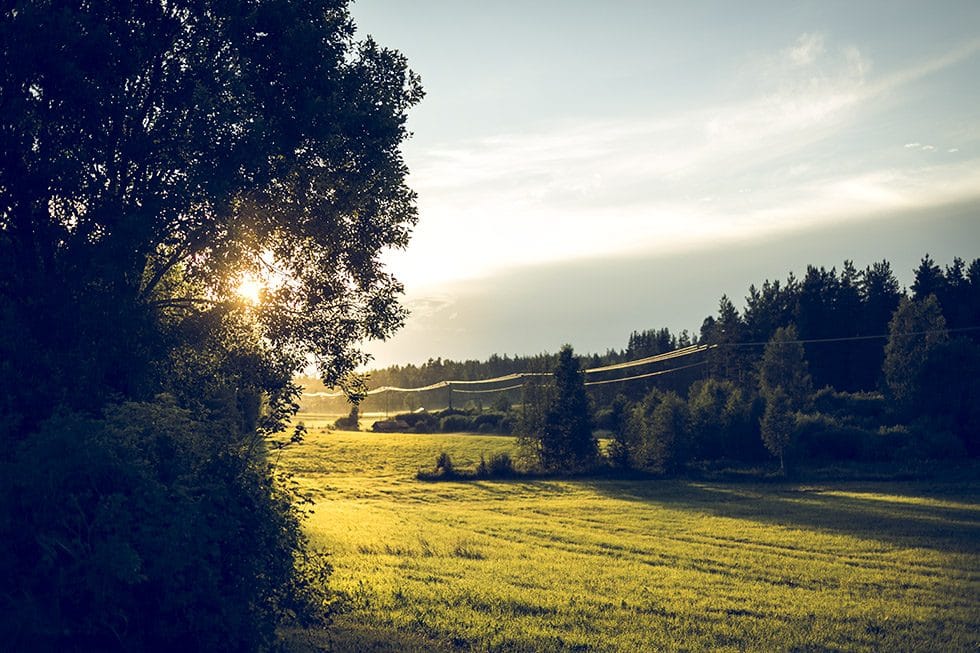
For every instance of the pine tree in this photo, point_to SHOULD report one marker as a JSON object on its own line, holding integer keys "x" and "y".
{"x": 566, "y": 438}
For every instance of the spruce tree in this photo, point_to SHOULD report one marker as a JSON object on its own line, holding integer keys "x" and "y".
{"x": 566, "y": 437}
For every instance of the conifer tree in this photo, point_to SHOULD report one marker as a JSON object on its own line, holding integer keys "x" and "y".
{"x": 566, "y": 438}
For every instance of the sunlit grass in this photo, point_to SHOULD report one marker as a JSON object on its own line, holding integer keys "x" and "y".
{"x": 633, "y": 565}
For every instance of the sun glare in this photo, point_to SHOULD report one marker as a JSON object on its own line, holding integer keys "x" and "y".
{"x": 250, "y": 289}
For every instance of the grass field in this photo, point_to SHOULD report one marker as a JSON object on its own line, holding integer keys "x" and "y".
{"x": 633, "y": 565}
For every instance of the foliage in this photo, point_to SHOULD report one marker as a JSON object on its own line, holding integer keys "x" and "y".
{"x": 726, "y": 361}
{"x": 822, "y": 437}
{"x": 502, "y": 404}
{"x": 784, "y": 367}
{"x": 455, "y": 424}
{"x": 916, "y": 328}
{"x": 500, "y": 465}
{"x": 444, "y": 465}
{"x": 724, "y": 422}
{"x": 351, "y": 422}
{"x": 949, "y": 390}
{"x": 154, "y": 152}
{"x": 153, "y": 155}
{"x": 778, "y": 425}
{"x": 661, "y": 428}
{"x": 419, "y": 422}
{"x": 132, "y": 528}
{"x": 617, "y": 421}
{"x": 566, "y": 439}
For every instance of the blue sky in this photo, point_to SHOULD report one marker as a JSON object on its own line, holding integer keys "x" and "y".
{"x": 586, "y": 169}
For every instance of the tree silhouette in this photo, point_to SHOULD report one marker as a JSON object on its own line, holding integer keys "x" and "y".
{"x": 784, "y": 368}
{"x": 777, "y": 425}
{"x": 566, "y": 435}
{"x": 153, "y": 152}
{"x": 917, "y": 327}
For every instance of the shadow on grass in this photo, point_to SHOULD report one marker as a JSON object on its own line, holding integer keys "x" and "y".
{"x": 941, "y": 516}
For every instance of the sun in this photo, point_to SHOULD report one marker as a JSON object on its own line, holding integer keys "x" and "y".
{"x": 250, "y": 289}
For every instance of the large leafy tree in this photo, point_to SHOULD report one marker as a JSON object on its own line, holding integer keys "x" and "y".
{"x": 155, "y": 154}
{"x": 152, "y": 153}
{"x": 916, "y": 329}
{"x": 784, "y": 367}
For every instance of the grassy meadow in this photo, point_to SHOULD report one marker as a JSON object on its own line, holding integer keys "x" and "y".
{"x": 606, "y": 565}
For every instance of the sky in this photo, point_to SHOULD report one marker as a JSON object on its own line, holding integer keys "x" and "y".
{"x": 586, "y": 169}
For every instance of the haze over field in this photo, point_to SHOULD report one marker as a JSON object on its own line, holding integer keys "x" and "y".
{"x": 639, "y": 158}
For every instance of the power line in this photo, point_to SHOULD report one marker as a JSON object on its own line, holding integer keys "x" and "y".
{"x": 657, "y": 358}
{"x": 477, "y": 392}
{"x": 677, "y": 353}
{"x": 880, "y": 336}
{"x": 646, "y": 376}
{"x": 684, "y": 351}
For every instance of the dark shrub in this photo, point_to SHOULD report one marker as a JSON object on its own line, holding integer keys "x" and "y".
{"x": 932, "y": 439}
{"x": 491, "y": 420}
{"x": 446, "y": 412}
{"x": 821, "y": 437}
{"x": 420, "y": 422}
{"x": 455, "y": 424}
{"x": 126, "y": 533}
{"x": 444, "y": 465}
{"x": 500, "y": 465}
{"x": 351, "y": 422}
{"x": 867, "y": 409}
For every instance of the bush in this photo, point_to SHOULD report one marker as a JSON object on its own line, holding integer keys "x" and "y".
{"x": 491, "y": 420}
{"x": 866, "y": 409}
{"x": 501, "y": 465}
{"x": 932, "y": 439}
{"x": 823, "y": 437}
{"x": 125, "y": 533}
{"x": 351, "y": 422}
{"x": 420, "y": 422}
{"x": 455, "y": 424}
{"x": 444, "y": 466}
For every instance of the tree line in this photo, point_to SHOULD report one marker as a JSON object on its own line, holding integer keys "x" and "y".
{"x": 838, "y": 365}
{"x": 874, "y": 374}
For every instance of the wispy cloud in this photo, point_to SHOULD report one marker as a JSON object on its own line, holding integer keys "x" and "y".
{"x": 588, "y": 188}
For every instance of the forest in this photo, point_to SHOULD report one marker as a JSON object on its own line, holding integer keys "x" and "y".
{"x": 837, "y": 366}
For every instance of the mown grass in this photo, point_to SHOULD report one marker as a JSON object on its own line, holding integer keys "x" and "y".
{"x": 605, "y": 565}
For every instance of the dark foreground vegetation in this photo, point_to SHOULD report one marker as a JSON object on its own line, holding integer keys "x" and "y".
{"x": 154, "y": 156}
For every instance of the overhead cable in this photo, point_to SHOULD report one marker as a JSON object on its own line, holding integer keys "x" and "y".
{"x": 646, "y": 376}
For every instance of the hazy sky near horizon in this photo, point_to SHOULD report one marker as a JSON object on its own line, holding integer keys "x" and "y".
{"x": 586, "y": 169}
